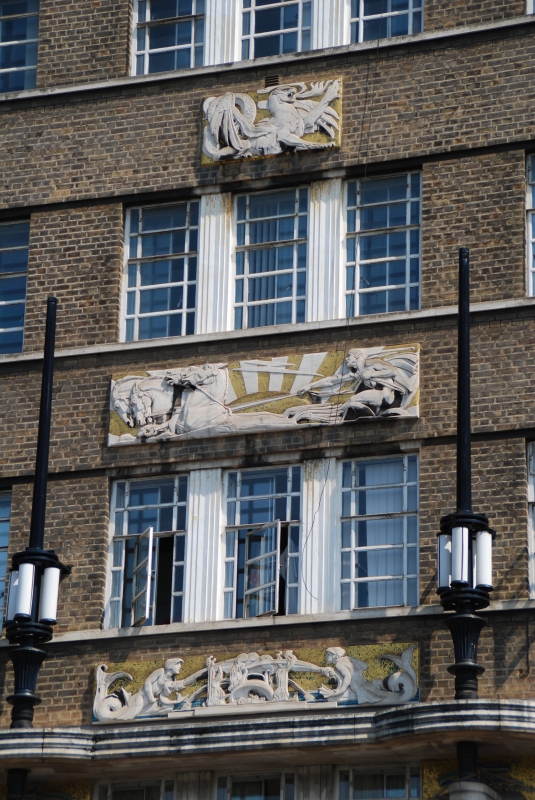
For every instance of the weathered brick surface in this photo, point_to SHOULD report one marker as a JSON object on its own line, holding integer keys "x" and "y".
{"x": 427, "y": 98}
{"x": 478, "y": 203}
{"x": 77, "y": 255}
{"x": 66, "y": 682}
{"x": 82, "y": 41}
{"x": 440, "y": 14}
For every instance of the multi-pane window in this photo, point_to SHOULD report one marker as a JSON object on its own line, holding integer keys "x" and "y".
{"x": 137, "y": 506}
{"x": 383, "y": 245}
{"x": 169, "y": 35}
{"x": 272, "y": 27}
{"x": 271, "y": 258}
{"x": 379, "y": 564}
{"x": 530, "y": 204}
{"x": 531, "y": 503}
{"x": 383, "y": 19}
{"x": 5, "y": 523}
{"x": 256, "y": 787}
{"x": 14, "y": 241}
{"x": 141, "y": 790}
{"x": 19, "y": 30}
{"x": 261, "y": 545}
{"x": 379, "y": 784}
{"x": 161, "y": 279}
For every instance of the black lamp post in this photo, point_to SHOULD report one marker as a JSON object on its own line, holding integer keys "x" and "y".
{"x": 464, "y": 541}
{"x": 34, "y": 577}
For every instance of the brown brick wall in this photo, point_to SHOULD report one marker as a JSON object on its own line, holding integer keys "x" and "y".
{"x": 427, "y": 98}
{"x": 440, "y": 14}
{"x": 82, "y": 41}
{"x": 478, "y": 203}
{"x": 66, "y": 681}
{"x": 76, "y": 255}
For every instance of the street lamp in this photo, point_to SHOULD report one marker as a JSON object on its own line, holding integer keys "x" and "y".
{"x": 35, "y": 576}
{"x": 464, "y": 542}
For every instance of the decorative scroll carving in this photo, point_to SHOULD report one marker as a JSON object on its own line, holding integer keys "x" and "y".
{"x": 252, "y": 679}
{"x": 217, "y": 399}
{"x": 244, "y": 125}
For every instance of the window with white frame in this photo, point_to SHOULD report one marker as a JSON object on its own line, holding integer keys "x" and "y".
{"x": 531, "y": 517}
{"x": 379, "y": 565}
{"x": 383, "y": 245}
{"x": 378, "y": 783}
{"x": 137, "y": 506}
{"x": 160, "y": 286}
{"x": 256, "y": 787}
{"x": 19, "y": 31}
{"x": 384, "y": 19}
{"x": 271, "y": 258}
{"x": 530, "y": 205}
{"x": 262, "y": 542}
{"x": 14, "y": 243}
{"x": 275, "y": 27}
{"x": 168, "y": 35}
{"x": 139, "y": 790}
{"x": 5, "y": 524}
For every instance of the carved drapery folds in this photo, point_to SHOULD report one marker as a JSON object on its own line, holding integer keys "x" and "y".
{"x": 218, "y": 399}
{"x": 264, "y": 681}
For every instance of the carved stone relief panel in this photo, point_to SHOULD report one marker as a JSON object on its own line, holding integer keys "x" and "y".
{"x": 367, "y": 675}
{"x": 291, "y": 117}
{"x": 216, "y": 399}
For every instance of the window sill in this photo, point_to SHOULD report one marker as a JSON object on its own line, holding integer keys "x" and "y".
{"x": 272, "y": 330}
{"x": 271, "y": 622}
{"x": 268, "y": 62}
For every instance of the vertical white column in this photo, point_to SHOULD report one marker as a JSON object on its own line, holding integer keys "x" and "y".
{"x": 320, "y": 543}
{"x": 205, "y": 522}
{"x": 330, "y": 23}
{"x": 325, "y": 252}
{"x": 215, "y": 277}
{"x": 222, "y": 43}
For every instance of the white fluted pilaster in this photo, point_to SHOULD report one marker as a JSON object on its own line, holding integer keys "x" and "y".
{"x": 325, "y": 253}
{"x": 330, "y": 23}
{"x": 215, "y": 280}
{"x": 320, "y": 547}
{"x": 222, "y": 40}
{"x": 205, "y": 522}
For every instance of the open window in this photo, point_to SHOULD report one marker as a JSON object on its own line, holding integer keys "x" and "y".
{"x": 262, "y": 570}
{"x": 141, "y": 591}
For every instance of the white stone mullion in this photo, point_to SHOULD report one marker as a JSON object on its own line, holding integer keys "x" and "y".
{"x": 205, "y": 522}
{"x": 320, "y": 538}
{"x": 330, "y": 23}
{"x": 222, "y": 43}
{"x": 215, "y": 289}
{"x": 325, "y": 251}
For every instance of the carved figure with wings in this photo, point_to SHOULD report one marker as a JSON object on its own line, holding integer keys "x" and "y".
{"x": 232, "y": 132}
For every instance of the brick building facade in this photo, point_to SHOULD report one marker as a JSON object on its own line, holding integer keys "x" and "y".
{"x": 105, "y": 188}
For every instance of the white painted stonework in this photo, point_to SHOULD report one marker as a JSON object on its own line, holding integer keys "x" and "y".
{"x": 218, "y": 399}
{"x": 235, "y": 129}
{"x": 263, "y": 682}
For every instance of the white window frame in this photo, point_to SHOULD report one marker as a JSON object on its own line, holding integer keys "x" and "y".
{"x": 230, "y": 561}
{"x": 530, "y": 7}
{"x": 143, "y": 54}
{"x": 103, "y": 790}
{"x": 352, "y": 520}
{"x": 15, "y": 274}
{"x": 132, "y": 263}
{"x": 287, "y": 783}
{"x": 296, "y": 242}
{"x": 531, "y": 517}
{"x": 11, "y": 43}
{"x": 117, "y": 552}
{"x": 304, "y": 32}
{"x": 353, "y": 220}
{"x": 410, "y": 771}
{"x": 530, "y": 224}
{"x": 357, "y": 21}
{"x": 5, "y": 498}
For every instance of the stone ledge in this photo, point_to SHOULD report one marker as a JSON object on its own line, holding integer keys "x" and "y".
{"x": 270, "y": 61}
{"x": 271, "y": 330}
